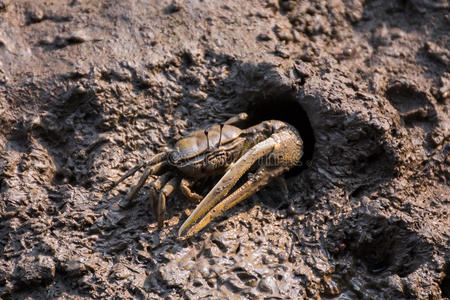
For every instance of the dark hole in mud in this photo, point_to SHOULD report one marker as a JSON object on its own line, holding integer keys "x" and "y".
{"x": 58, "y": 178}
{"x": 376, "y": 255}
{"x": 359, "y": 191}
{"x": 198, "y": 283}
{"x": 382, "y": 245}
{"x": 286, "y": 108}
{"x": 283, "y": 205}
{"x": 445, "y": 284}
{"x": 63, "y": 176}
{"x": 404, "y": 98}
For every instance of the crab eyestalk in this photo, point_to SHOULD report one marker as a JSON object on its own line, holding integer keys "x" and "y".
{"x": 207, "y": 139}
{"x": 220, "y": 134}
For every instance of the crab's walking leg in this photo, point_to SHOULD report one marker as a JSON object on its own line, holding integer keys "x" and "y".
{"x": 150, "y": 170}
{"x": 156, "y": 187}
{"x": 254, "y": 184}
{"x": 230, "y": 178}
{"x": 185, "y": 185}
{"x": 165, "y": 192}
{"x": 153, "y": 160}
{"x": 128, "y": 174}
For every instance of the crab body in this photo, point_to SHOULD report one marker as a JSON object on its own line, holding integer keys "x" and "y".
{"x": 270, "y": 148}
{"x": 197, "y": 157}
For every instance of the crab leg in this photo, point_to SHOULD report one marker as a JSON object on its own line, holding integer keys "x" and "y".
{"x": 150, "y": 170}
{"x": 153, "y": 160}
{"x": 185, "y": 187}
{"x": 168, "y": 188}
{"x": 254, "y": 184}
{"x": 230, "y": 178}
{"x": 156, "y": 187}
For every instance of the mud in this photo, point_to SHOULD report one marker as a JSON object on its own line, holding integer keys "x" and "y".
{"x": 90, "y": 88}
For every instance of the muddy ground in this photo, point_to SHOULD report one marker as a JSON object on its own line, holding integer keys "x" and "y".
{"x": 90, "y": 88}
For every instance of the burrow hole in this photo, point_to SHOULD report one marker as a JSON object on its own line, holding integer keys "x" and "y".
{"x": 385, "y": 245}
{"x": 284, "y": 107}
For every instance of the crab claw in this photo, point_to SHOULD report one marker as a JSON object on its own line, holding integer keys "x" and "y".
{"x": 237, "y": 118}
{"x": 285, "y": 145}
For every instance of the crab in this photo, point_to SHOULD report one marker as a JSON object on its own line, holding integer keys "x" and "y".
{"x": 268, "y": 149}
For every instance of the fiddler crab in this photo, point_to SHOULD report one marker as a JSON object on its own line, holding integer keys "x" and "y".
{"x": 270, "y": 147}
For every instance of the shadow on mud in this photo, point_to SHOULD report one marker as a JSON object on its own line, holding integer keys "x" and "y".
{"x": 413, "y": 105}
{"x": 67, "y": 131}
{"x": 379, "y": 245}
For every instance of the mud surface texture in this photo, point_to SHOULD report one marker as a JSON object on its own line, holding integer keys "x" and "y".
{"x": 90, "y": 88}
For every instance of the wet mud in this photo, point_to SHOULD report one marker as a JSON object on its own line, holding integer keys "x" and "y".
{"x": 88, "y": 89}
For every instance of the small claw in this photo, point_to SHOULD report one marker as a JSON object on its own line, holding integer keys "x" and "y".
{"x": 186, "y": 190}
{"x": 237, "y": 118}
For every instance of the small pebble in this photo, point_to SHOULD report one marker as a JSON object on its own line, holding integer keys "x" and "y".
{"x": 445, "y": 93}
{"x": 267, "y": 260}
{"x": 36, "y": 15}
{"x": 299, "y": 218}
{"x": 282, "y": 257}
{"x": 348, "y": 52}
{"x": 212, "y": 281}
{"x": 283, "y": 33}
{"x": 173, "y": 276}
{"x": 267, "y": 285}
{"x": 74, "y": 267}
{"x": 397, "y": 33}
{"x": 291, "y": 211}
{"x": 175, "y": 6}
{"x": 281, "y": 51}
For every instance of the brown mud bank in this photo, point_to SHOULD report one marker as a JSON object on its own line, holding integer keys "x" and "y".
{"x": 88, "y": 89}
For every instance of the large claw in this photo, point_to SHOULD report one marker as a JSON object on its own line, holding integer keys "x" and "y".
{"x": 286, "y": 146}
{"x": 230, "y": 178}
